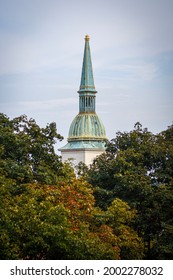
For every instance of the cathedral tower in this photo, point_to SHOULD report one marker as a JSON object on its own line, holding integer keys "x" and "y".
{"x": 87, "y": 136}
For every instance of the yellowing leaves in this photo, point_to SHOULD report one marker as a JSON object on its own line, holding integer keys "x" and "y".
{"x": 60, "y": 222}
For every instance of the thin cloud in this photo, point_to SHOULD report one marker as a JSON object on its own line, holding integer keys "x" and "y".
{"x": 142, "y": 70}
{"x": 40, "y": 105}
{"x": 42, "y": 44}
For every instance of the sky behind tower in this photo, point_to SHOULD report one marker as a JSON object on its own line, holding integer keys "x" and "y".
{"x": 41, "y": 53}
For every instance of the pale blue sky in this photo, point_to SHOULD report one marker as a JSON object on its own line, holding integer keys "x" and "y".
{"x": 41, "y": 52}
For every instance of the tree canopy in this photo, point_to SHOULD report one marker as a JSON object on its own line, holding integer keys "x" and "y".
{"x": 120, "y": 207}
{"x": 138, "y": 168}
{"x": 48, "y": 213}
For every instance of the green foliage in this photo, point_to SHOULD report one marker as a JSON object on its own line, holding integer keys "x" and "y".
{"x": 27, "y": 151}
{"x": 45, "y": 212}
{"x": 138, "y": 168}
{"x": 82, "y": 169}
{"x": 119, "y": 208}
{"x": 121, "y": 218}
{"x": 50, "y": 222}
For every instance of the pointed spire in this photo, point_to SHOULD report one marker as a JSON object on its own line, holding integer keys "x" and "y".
{"x": 87, "y": 80}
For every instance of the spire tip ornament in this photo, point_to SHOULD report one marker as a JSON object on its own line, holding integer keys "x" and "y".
{"x": 87, "y": 37}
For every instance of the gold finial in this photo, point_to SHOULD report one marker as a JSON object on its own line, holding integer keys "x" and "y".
{"x": 87, "y": 37}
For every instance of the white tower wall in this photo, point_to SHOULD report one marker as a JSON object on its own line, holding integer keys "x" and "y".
{"x": 76, "y": 156}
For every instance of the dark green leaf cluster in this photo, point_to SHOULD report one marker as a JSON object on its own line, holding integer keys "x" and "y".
{"x": 61, "y": 222}
{"x": 27, "y": 151}
{"x": 48, "y": 213}
{"x": 138, "y": 168}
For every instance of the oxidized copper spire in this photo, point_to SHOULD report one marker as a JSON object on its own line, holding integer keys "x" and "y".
{"x": 87, "y": 80}
{"x": 86, "y": 131}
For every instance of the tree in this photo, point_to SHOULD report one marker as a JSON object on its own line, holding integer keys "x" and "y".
{"x": 137, "y": 168}
{"x": 39, "y": 221}
{"x": 110, "y": 211}
{"x": 121, "y": 218}
{"x": 47, "y": 222}
{"x": 27, "y": 151}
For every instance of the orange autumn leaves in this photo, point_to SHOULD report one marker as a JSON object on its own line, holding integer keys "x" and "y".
{"x": 89, "y": 232}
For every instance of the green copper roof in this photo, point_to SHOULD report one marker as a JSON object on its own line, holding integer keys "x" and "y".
{"x": 86, "y": 127}
{"x": 86, "y": 130}
{"x": 87, "y": 80}
{"x": 85, "y": 145}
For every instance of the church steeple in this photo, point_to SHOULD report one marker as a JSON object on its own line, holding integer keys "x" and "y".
{"x": 87, "y": 135}
{"x": 87, "y": 80}
{"x": 87, "y": 89}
